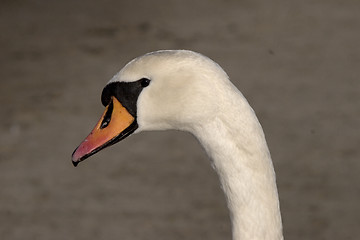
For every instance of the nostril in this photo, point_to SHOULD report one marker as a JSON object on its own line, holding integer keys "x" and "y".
{"x": 107, "y": 118}
{"x": 105, "y": 123}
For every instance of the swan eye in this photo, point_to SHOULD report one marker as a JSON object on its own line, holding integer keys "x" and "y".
{"x": 145, "y": 82}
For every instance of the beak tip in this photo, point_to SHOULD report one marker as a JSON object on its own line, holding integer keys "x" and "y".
{"x": 75, "y": 160}
{"x": 75, "y": 163}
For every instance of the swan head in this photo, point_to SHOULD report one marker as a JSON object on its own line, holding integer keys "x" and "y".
{"x": 172, "y": 89}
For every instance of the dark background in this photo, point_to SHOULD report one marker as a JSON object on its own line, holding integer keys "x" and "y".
{"x": 297, "y": 62}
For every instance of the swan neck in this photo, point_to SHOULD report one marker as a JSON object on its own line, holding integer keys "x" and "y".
{"x": 242, "y": 161}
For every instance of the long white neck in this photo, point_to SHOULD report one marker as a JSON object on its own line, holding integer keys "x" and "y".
{"x": 236, "y": 144}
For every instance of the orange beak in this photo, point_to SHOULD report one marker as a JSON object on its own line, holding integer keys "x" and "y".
{"x": 115, "y": 124}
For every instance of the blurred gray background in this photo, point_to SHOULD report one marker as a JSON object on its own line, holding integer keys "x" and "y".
{"x": 297, "y": 62}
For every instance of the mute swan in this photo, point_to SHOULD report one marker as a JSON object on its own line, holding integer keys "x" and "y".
{"x": 184, "y": 90}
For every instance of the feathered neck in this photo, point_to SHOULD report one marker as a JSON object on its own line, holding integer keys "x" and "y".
{"x": 236, "y": 144}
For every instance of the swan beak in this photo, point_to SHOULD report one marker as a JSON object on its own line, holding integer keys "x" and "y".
{"x": 115, "y": 124}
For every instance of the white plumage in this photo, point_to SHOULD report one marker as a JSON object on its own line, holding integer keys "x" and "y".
{"x": 190, "y": 92}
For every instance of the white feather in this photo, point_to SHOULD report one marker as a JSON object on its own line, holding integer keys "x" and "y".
{"x": 190, "y": 92}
